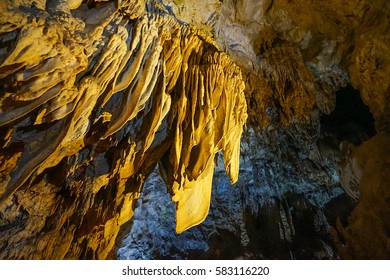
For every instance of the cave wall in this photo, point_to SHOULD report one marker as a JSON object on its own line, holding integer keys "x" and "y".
{"x": 367, "y": 233}
{"x": 94, "y": 93}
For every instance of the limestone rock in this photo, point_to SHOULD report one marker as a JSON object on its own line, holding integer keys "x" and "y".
{"x": 370, "y": 217}
{"x": 92, "y": 97}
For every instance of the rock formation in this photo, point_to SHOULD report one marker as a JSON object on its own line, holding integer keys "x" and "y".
{"x": 94, "y": 94}
{"x": 91, "y": 100}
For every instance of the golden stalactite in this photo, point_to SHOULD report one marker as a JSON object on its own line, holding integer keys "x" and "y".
{"x": 112, "y": 75}
{"x": 209, "y": 117}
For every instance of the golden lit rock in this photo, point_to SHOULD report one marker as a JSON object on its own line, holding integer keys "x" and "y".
{"x": 94, "y": 82}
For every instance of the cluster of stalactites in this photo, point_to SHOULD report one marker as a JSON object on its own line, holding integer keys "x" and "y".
{"x": 209, "y": 117}
{"x": 62, "y": 73}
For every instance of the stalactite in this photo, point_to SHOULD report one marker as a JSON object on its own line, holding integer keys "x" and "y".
{"x": 113, "y": 77}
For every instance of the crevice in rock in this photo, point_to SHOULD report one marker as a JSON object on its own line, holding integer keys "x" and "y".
{"x": 350, "y": 120}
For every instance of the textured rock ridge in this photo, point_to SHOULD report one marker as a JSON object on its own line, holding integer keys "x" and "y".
{"x": 92, "y": 97}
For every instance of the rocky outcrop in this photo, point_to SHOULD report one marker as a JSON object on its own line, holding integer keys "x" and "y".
{"x": 368, "y": 165}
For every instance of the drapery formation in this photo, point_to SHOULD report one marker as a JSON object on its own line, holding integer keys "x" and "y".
{"x": 91, "y": 98}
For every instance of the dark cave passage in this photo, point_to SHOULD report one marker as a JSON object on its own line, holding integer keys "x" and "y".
{"x": 351, "y": 119}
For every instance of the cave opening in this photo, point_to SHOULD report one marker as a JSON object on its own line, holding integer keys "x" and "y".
{"x": 350, "y": 120}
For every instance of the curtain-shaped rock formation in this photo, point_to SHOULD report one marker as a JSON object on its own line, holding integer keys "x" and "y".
{"x": 92, "y": 96}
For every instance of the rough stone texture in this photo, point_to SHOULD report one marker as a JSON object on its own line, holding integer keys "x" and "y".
{"x": 94, "y": 93}
{"x": 370, "y": 162}
{"x": 91, "y": 100}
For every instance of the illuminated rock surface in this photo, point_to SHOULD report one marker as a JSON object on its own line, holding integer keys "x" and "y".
{"x": 94, "y": 94}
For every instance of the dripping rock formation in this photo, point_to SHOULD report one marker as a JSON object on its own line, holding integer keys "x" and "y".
{"x": 119, "y": 121}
